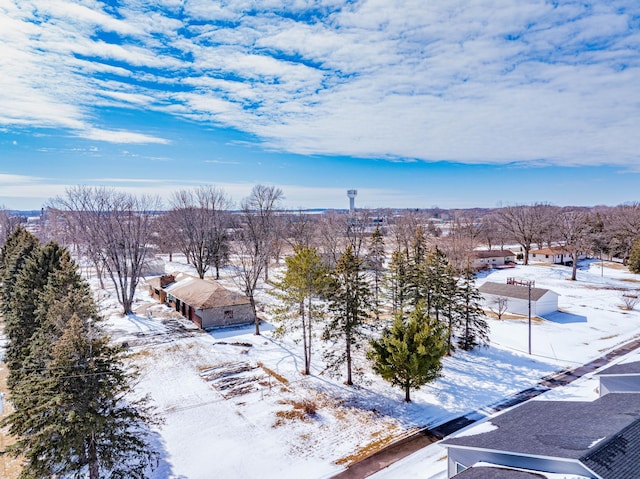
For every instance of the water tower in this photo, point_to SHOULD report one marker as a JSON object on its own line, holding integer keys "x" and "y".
{"x": 352, "y": 199}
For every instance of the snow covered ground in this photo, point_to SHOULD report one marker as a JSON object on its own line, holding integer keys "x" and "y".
{"x": 236, "y": 406}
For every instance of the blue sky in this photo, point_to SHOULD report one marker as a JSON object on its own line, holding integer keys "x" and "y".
{"x": 449, "y": 103}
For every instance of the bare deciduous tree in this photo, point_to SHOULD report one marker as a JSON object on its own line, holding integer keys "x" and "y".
{"x": 115, "y": 229}
{"x": 623, "y": 224}
{"x": 524, "y": 223}
{"x": 200, "y": 219}
{"x": 8, "y": 223}
{"x": 255, "y": 237}
{"x": 573, "y": 228}
{"x": 499, "y": 306}
{"x": 259, "y": 212}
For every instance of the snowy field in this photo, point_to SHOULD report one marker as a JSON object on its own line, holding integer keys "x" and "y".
{"x": 236, "y": 406}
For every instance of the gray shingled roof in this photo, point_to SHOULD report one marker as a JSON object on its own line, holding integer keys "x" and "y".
{"x": 493, "y": 253}
{"x": 621, "y": 369}
{"x": 512, "y": 290}
{"x": 562, "y": 429}
{"x": 619, "y": 456}
{"x": 484, "y": 472}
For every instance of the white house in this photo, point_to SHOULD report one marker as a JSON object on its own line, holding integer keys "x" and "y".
{"x": 543, "y": 301}
{"x": 553, "y": 255}
{"x": 482, "y": 259}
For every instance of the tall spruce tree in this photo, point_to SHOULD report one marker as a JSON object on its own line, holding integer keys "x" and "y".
{"x": 473, "y": 328}
{"x": 72, "y": 418}
{"x": 75, "y": 422}
{"x": 418, "y": 274}
{"x": 397, "y": 282}
{"x": 15, "y": 252}
{"x": 409, "y": 354}
{"x": 438, "y": 276}
{"x": 305, "y": 280}
{"x": 349, "y": 306}
{"x": 22, "y": 322}
{"x": 451, "y": 312}
{"x": 375, "y": 262}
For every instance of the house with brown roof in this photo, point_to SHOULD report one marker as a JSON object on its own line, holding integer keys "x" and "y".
{"x": 204, "y": 301}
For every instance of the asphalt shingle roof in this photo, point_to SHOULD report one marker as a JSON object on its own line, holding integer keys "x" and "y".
{"x": 512, "y": 290}
{"x": 632, "y": 368}
{"x": 493, "y": 253}
{"x": 484, "y": 472}
{"x": 619, "y": 456}
{"x": 563, "y": 429}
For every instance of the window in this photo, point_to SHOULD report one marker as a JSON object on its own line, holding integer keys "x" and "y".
{"x": 460, "y": 468}
{"x": 228, "y": 314}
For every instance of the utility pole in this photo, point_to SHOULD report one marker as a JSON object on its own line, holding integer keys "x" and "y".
{"x": 529, "y": 286}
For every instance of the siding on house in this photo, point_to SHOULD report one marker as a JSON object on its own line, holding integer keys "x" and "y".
{"x": 620, "y": 378}
{"x": 553, "y": 255}
{"x": 543, "y": 301}
{"x": 492, "y": 258}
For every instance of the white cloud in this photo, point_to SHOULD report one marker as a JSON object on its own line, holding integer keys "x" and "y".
{"x": 475, "y": 81}
{"x": 119, "y": 136}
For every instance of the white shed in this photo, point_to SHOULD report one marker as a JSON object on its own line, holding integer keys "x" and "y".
{"x": 543, "y": 301}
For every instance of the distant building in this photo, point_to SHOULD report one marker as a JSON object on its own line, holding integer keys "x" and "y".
{"x": 553, "y": 255}
{"x": 483, "y": 259}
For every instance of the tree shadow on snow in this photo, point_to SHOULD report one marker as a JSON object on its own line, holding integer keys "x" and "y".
{"x": 163, "y": 469}
{"x": 233, "y": 331}
{"x": 471, "y": 381}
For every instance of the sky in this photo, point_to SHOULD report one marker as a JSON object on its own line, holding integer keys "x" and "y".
{"x": 414, "y": 103}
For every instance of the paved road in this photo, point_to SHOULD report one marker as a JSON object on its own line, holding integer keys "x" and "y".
{"x": 400, "y": 449}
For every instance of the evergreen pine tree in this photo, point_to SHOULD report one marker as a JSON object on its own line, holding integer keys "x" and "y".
{"x": 349, "y": 308}
{"x": 409, "y": 354}
{"x": 375, "y": 262}
{"x": 451, "y": 313}
{"x": 305, "y": 279}
{"x": 71, "y": 418}
{"x": 75, "y": 422}
{"x": 418, "y": 277}
{"x": 21, "y": 322}
{"x": 397, "y": 282}
{"x": 634, "y": 258}
{"x": 474, "y": 329}
{"x": 438, "y": 276}
{"x": 16, "y": 250}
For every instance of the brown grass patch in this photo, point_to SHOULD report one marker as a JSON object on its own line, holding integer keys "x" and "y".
{"x": 273, "y": 374}
{"x": 379, "y": 442}
{"x": 303, "y": 410}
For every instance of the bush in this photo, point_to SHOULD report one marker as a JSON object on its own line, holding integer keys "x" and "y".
{"x": 629, "y": 301}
